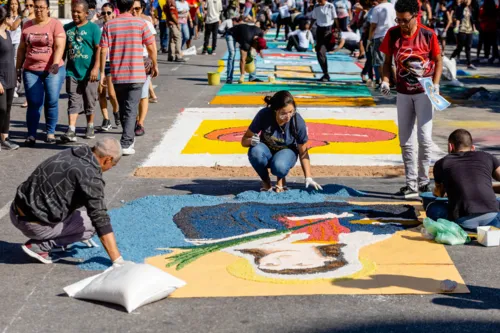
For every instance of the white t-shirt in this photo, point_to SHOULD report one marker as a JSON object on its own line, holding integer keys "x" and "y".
{"x": 383, "y": 16}
{"x": 342, "y": 7}
{"x": 324, "y": 15}
{"x": 153, "y": 32}
{"x": 15, "y": 35}
{"x": 305, "y": 37}
{"x": 350, "y": 36}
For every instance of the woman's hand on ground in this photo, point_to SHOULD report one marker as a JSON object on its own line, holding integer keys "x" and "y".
{"x": 313, "y": 184}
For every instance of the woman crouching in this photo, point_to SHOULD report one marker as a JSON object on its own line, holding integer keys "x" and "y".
{"x": 276, "y": 137}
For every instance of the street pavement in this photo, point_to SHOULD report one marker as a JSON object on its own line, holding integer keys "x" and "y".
{"x": 31, "y": 295}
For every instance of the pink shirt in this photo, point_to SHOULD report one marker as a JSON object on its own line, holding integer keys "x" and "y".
{"x": 40, "y": 44}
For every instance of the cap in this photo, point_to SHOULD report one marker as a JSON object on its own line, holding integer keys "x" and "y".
{"x": 261, "y": 44}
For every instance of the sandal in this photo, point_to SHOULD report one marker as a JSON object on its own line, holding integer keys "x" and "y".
{"x": 153, "y": 100}
{"x": 279, "y": 189}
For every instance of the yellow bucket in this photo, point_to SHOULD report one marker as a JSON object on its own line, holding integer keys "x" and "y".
{"x": 249, "y": 65}
{"x": 213, "y": 79}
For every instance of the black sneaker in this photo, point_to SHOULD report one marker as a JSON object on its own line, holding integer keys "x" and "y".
{"x": 69, "y": 136}
{"x": 164, "y": 51}
{"x": 170, "y": 59}
{"x": 324, "y": 78}
{"x": 8, "y": 145}
{"x": 425, "y": 188}
{"x": 406, "y": 192}
{"x": 116, "y": 115}
{"x": 229, "y": 81}
{"x": 90, "y": 133}
{"x": 255, "y": 80}
{"x": 106, "y": 125}
{"x": 30, "y": 141}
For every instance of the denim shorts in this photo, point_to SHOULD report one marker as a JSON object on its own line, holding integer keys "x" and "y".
{"x": 145, "y": 88}
{"x": 378, "y": 57}
{"x": 107, "y": 69}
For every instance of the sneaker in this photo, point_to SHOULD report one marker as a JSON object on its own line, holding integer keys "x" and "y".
{"x": 8, "y": 145}
{"x": 229, "y": 81}
{"x": 16, "y": 95}
{"x": 213, "y": 53}
{"x": 472, "y": 67}
{"x": 180, "y": 60}
{"x": 90, "y": 133}
{"x": 406, "y": 192}
{"x": 204, "y": 52}
{"x": 170, "y": 59}
{"x": 129, "y": 150}
{"x": 139, "y": 130}
{"x": 324, "y": 78}
{"x": 164, "y": 51}
{"x": 34, "y": 251}
{"x": 425, "y": 188}
{"x": 30, "y": 141}
{"x": 106, "y": 125}
{"x": 116, "y": 115}
{"x": 255, "y": 80}
{"x": 69, "y": 136}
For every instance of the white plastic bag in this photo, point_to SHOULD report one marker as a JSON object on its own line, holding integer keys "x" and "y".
{"x": 129, "y": 285}
{"x": 450, "y": 72}
{"x": 189, "y": 52}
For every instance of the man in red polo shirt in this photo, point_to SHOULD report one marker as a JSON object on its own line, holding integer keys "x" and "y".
{"x": 124, "y": 37}
{"x": 416, "y": 53}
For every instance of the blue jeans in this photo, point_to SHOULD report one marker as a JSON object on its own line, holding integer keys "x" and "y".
{"x": 439, "y": 210}
{"x": 185, "y": 34}
{"x": 261, "y": 158}
{"x": 163, "y": 35}
{"x": 231, "y": 49}
{"x": 42, "y": 90}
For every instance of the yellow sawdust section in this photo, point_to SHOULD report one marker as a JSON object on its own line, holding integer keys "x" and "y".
{"x": 317, "y": 100}
{"x": 404, "y": 264}
{"x": 473, "y": 124}
{"x": 306, "y": 69}
{"x": 198, "y": 144}
{"x": 293, "y": 74}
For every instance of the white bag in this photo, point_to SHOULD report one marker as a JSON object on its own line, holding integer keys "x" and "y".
{"x": 129, "y": 285}
{"x": 191, "y": 51}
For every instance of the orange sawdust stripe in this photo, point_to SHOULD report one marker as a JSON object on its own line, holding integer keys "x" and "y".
{"x": 243, "y": 172}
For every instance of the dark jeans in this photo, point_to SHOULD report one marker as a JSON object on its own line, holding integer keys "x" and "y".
{"x": 163, "y": 35}
{"x": 490, "y": 41}
{"x": 211, "y": 29}
{"x": 464, "y": 40}
{"x": 128, "y": 96}
{"x": 368, "y": 68}
{"x": 323, "y": 36}
{"x": 294, "y": 42}
{"x": 5, "y": 105}
{"x": 439, "y": 210}
{"x": 283, "y": 21}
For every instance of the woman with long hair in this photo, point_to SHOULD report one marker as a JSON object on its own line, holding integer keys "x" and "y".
{"x": 7, "y": 81}
{"x": 276, "y": 137}
{"x": 466, "y": 24}
{"x": 40, "y": 54}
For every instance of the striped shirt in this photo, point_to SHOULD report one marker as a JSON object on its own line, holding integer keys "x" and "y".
{"x": 125, "y": 37}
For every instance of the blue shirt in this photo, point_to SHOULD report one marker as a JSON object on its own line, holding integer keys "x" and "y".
{"x": 277, "y": 137}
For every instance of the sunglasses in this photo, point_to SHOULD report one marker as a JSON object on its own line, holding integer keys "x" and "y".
{"x": 106, "y": 13}
{"x": 30, "y": 6}
{"x": 136, "y": 9}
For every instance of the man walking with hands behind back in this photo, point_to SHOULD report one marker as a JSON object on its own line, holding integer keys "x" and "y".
{"x": 416, "y": 53}
{"x": 124, "y": 37}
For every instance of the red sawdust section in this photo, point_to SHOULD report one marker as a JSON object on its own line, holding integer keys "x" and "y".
{"x": 242, "y": 172}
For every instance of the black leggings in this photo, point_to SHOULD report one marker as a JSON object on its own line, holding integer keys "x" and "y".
{"x": 490, "y": 41}
{"x": 283, "y": 21}
{"x": 464, "y": 40}
{"x": 5, "y": 105}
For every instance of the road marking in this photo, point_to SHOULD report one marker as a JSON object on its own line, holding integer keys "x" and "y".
{"x": 5, "y": 209}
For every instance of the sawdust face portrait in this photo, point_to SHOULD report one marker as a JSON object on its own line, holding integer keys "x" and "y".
{"x": 283, "y": 241}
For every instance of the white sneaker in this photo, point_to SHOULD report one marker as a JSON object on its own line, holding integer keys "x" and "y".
{"x": 130, "y": 150}
{"x": 16, "y": 95}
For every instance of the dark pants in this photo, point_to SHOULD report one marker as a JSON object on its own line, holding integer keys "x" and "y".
{"x": 464, "y": 40}
{"x": 283, "y": 21}
{"x": 351, "y": 45}
{"x": 163, "y": 35}
{"x": 293, "y": 42}
{"x": 128, "y": 96}
{"x": 343, "y": 23}
{"x": 323, "y": 36}
{"x": 368, "y": 68}
{"x": 5, "y": 105}
{"x": 490, "y": 41}
{"x": 211, "y": 29}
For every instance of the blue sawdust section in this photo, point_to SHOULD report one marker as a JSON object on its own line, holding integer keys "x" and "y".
{"x": 143, "y": 225}
{"x": 235, "y": 219}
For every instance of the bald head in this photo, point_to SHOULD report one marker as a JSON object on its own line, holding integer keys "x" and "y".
{"x": 109, "y": 151}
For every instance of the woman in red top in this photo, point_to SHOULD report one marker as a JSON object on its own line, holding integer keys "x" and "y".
{"x": 488, "y": 21}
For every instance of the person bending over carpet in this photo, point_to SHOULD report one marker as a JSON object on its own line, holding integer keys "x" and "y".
{"x": 276, "y": 137}
{"x": 465, "y": 176}
{"x": 300, "y": 39}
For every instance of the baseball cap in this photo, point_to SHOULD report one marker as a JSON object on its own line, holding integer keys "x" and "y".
{"x": 261, "y": 44}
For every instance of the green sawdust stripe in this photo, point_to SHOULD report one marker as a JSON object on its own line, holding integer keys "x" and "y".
{"x": 296, "y": 89}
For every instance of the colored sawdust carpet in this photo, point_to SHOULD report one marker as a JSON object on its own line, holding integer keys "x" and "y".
{"x": 292, "y": 243}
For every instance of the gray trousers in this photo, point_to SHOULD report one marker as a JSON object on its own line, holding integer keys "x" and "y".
{"x": 77, "y": 227}
{"x": 410, "y": 108}
{"x": 175, "y": 42}
{"x": 128, "y": 96}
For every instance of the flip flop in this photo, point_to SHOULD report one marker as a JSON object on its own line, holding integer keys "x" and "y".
{"x": 282, "y": 189}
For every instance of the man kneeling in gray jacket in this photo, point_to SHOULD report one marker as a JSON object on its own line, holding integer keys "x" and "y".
{"x": 47, "y": 206}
